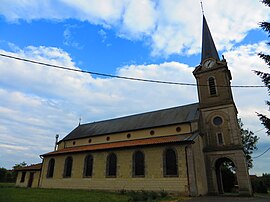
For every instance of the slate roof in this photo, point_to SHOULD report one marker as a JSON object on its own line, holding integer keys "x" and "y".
{"x": 187, "y": 138}
{"x": 208, "y": 46}
{"x": 175, "y": 115}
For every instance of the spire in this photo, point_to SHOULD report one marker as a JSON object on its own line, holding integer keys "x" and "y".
{"x": 208, "y": 46}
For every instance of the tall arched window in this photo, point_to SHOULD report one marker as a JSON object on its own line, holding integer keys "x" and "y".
{"x": 212, "y": 86}
{"x": 50, "y": 169}
{"x": 68, "y": 167}
{"x": 88, "y": 166}
{"x": 111, "y": 165}
{"x": 170, "y": 163}
{"x": 138, "y": 164}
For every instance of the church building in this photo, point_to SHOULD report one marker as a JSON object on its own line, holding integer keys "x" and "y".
{"x": 179, "y": 150}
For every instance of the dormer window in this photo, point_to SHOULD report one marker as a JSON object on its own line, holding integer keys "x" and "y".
{"x": 212, "y": 86}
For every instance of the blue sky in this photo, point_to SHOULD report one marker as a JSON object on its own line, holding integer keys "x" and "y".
{"x": 147, "y": 39}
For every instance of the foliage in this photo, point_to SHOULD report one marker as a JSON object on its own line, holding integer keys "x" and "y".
{"x": 19, "y": 165}
{"x": 146, "y": 196}
{"x": 10, "y": 175}
{"x": 7, "y": 175}
{"x": 266, "y": 179}
{"x": 249, "y": 141}
{"x": 263, "y": 75}
{"x": 261, "y": 184}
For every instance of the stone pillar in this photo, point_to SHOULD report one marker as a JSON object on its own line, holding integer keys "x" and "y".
{"x": 191, "y": 171}
{"x": 242, "y": 174}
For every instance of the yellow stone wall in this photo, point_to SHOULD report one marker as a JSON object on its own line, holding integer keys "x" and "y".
{"x": 153, "y": 180}
{"x": 229, "y": 128}
{"x": 139, "y": 134}
{"x": 26, "y": 180}
{"x": 200, "y": 172}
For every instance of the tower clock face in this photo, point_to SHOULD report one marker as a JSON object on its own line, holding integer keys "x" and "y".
{"x": 209, "y": 63}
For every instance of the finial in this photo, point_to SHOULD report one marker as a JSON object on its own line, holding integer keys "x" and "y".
{"x": 80, "y": 119}
{"x": 202, "y": 7}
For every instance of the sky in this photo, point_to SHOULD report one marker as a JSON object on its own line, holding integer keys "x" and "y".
{"x": 148, "y": 39}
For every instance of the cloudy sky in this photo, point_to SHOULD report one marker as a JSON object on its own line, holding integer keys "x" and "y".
{"x": 137, "y": 38}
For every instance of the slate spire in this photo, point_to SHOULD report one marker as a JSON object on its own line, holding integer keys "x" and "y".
{"x": 208, "y": 46}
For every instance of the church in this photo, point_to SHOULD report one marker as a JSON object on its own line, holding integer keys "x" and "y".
{"x": 177, "y": 150}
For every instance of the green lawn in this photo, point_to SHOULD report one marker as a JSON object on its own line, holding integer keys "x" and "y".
{"x": 13, "y": 194}
{"x": 10, "y": 193}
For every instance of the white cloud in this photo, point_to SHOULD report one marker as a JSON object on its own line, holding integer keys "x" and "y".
{"x": 139, "y": 17}
{"x": 45, "y": 101}
{"x": 169, "y": 25}
{"x": 101, "y": 12}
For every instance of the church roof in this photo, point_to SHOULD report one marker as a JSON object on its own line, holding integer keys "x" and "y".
{"x": 30, "y": 167}
{"x": 183, "y": 138}
{"x": 208, "y": 46}
{"x": 170, "y": 116}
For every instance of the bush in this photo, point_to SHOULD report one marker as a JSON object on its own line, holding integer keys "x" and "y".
{"x": 259, "y": 186}
{"x": 146, "y": 195}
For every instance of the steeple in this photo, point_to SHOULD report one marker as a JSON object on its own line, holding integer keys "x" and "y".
{"x": 208, "y": 46}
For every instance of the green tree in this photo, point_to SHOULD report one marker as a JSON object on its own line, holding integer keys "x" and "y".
{"x": 265, "y": 76}
{"x": 249, "y": 141}
{"x": 266, "y": 179}
{"x": 19, "y": 165}
{"x": 3, "y": 173}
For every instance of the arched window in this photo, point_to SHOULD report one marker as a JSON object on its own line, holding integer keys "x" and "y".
{"x": 170, "y": 163}
{"x": 212, "y": 86}
{"x": 68, "y": 167}
{"x": 88, "y": 166}
{"x": 50, "y": 168}
{"x": 138, "y": 164}
{"x": 111, "y": 165}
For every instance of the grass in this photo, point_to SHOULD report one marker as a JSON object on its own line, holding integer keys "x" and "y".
{"x": 10, "y": 193}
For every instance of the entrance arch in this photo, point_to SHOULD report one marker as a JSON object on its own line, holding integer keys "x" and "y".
{"x": 225, "y": 170}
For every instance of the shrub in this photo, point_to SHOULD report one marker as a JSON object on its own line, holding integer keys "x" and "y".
{"x": 259, "y": 186}
{"x": 146, "y": 195}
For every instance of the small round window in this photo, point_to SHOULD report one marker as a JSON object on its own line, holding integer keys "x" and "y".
{"x": 217, "y": 121}
{"x": 178, "y": 129}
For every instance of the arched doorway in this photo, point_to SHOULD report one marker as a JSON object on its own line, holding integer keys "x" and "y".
{"x": 226, "y": 176}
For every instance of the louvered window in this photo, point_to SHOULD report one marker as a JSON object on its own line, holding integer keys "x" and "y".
{"x": 212, "y": 86}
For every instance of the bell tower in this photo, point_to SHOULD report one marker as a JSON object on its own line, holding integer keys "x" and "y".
{"x": 218, "y": 118}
